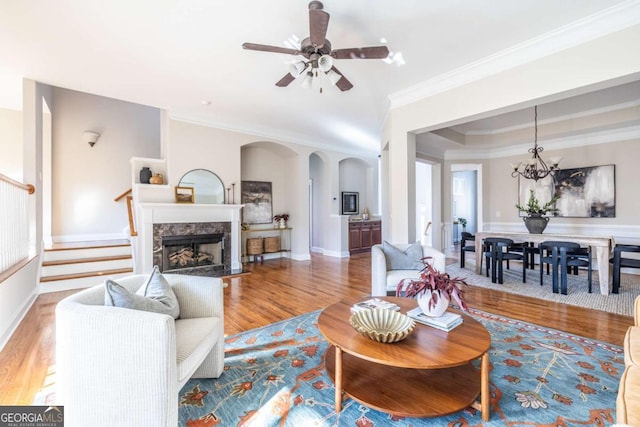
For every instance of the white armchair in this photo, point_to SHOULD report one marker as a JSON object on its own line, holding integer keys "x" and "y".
{"x": 384, "y": 282}
{"x": 125, "y": 367}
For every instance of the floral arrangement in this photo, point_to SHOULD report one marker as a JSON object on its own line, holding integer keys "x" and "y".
{"x": 284, "y": 217}
{"x": 463, "y": 222}
{"x": 432, "y": 280}
{"x": 533, "y": 207}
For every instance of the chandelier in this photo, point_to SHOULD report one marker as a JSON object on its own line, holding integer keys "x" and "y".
{"x": 536, "y": 168}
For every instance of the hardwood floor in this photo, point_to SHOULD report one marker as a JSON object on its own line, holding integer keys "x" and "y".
{"x": 279, "y": 289}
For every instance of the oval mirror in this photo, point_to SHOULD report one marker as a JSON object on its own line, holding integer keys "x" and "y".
{"x": 207, "y": 187}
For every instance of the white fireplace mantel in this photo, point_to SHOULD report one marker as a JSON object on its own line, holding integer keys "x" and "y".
{"x": 159, "y": 213}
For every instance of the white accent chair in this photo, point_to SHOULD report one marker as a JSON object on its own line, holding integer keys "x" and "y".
{"x": 384, "y": 282}
{"x": 125, "y": 367}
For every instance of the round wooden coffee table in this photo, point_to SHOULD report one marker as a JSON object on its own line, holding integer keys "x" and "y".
{"x": 428, "y": 374}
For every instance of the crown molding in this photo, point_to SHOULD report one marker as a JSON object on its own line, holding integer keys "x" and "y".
{"x": 580, "y": 141}
{"x": 607, "y": 21}
{"x": 556, "y": 119}
{"x": 272, "y": 135}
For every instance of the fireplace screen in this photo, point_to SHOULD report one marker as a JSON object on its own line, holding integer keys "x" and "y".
{"x": 193, "y": 251}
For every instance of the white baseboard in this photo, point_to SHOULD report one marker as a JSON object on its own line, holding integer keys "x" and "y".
{"x": 336, "y": 254}
{"x": 301, "y": 257}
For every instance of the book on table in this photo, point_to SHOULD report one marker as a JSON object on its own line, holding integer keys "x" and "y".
{"x": 446, "y": 322}
{"x": 374, "y": 303}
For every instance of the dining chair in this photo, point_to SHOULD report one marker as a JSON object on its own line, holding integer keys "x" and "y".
{"x": 496, "y": 250}
{"x": 620, "y": 261}
{"x": 564, "y": 257}
{"x": 464, "y": 247}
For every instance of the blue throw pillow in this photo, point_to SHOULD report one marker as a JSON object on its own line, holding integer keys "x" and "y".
{"x": 155, "y": 295}
{"x": 408, "y": 259}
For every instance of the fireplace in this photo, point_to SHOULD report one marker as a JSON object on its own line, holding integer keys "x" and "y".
{"x": 158, "y": 220}
{"x": 192, "y": 248}
{"x": 192, "y": 252}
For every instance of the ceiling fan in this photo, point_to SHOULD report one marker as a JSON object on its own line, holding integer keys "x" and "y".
{"x": 316, "y": 49}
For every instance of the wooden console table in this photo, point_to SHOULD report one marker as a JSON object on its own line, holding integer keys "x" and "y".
{"x": 603, "y": 246}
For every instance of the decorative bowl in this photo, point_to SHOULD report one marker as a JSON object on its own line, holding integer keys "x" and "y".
{"x": 382, "y": 325}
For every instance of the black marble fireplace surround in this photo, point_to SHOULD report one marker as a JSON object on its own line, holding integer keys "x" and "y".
{"x": 192, "y": 230}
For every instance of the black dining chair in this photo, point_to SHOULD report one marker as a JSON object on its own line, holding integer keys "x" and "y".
{"x": 564, "y": 257}
{"x": 619, "y": 261}
{"x": 497, "y": 250}
{"x": 465, "y": 246}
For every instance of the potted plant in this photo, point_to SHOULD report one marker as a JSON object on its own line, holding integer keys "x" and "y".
{"x": 433, "y": 290}
{"x": 536, "y": 221}
{"x": 463, "y": 223}
{"x": 281, "y": 220}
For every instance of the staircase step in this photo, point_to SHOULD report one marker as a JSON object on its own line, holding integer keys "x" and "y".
{"x": 87, "y": 274}
{"x": 87, "y": 265}
{"x": 80, "y": 280}
{"x": 76, "y": 253}
{"x": 73, "y": 265}
{"x": 85, "y": 260}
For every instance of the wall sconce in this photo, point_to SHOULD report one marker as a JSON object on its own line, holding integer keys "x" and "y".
{"x": 90, "y": 137}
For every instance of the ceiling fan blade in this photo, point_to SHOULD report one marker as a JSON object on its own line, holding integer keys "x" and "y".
{"x": 284, "y": 82}
{"x": 343, "y": 84}
{"x": 318, "y": 24}
{"x": 267, "y": 48}
{"x": 374, "y": 52}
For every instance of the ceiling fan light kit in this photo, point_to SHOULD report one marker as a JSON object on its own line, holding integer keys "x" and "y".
{"x": 319, "y": 54}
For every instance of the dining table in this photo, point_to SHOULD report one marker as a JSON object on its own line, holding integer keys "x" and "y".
{"x": 602, "y": 246}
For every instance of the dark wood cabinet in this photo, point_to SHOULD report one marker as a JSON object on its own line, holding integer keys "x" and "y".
{"x": 363, "y": 235}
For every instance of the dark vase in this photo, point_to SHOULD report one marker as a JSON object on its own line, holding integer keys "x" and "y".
{"x": 145, "y": 175}
{"x": 536, "y": 223}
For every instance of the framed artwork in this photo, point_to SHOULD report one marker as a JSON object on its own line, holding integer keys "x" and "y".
{"x": 349, "y": 203}
{"x": 184, "y": 194}
{"x": 587, "y": 192}
{"x": 256, "y": 197}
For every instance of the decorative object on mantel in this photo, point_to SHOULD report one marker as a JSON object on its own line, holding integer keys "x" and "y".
{"x": 536, "y": 168}
{"x": 145, "y": 175}
{"x": 365, "y": 214}
{"x": 535, "y": 221}
{"x": 281, "y": 220}
{"x": 433, "y": 290}
{"x": 207, "y": 186}
{"x": 157, "y": 179}
{"x": 184, "y": 195}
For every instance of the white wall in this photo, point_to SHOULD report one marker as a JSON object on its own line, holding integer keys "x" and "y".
{"x": 276, "y": 164}
{"x": 503, "y": 192}
{"x": 193, "y": 146}
{"x": 11, "y": 143}
{"x": 87, "y": 179}
{"x": 568, "y": 72}
{"x": 320, "y": 211}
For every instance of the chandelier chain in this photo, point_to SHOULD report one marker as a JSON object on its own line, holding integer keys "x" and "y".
{"x": 536, "y": 168}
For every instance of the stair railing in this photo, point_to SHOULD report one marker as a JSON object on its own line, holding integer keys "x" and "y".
{"x": 14, "y": 224}
{"x": 132, "y": 224}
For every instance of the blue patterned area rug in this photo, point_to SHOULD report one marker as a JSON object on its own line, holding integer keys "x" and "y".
{"x": 275, "y": 376}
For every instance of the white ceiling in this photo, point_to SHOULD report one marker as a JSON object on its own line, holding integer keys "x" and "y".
{"x": 175, "y": 54}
